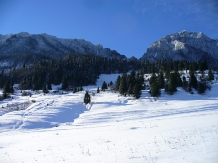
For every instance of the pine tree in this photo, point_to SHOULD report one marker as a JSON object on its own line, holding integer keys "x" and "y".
{"x": 130, "y": 89}
{"x": 123, "y": 85}
{"x": 210, "y": 75}
{"x": 171, "y": 84}
{"x": 64, "y": 83}
{"x": 98, "y": 91}
{"x": 193, "y": 81}
{"x": 87, "y": 98}
{"x": 74, "y": 89}
{"x": 201, "y": 87}
{"x": 161, "y": 81}
{"x": 117, "y": 84}
{"x": 155, "y": 90}
{"x": 49, "y": 86}
{"x": 11, "y": 86}
{"x": 167, "y": 74}
{"x": 178, "y": 79}
{"x": 140, "y": 80}
{"x": 137, "y": 91}
{"x": 184, "y": 83}
{"x": 104, "y": 86}
{"x": 189, "y": 89}
{"x": 152, "y": 78}
{"x": 6, "y": 90}
{"x": 1, "y": 81}
{"x": 80, "y": 88}
{"x": 45, "y": 89}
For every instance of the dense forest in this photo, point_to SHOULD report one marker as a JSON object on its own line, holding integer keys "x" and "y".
{"x": 76, "y": 70}
{"x": 167, "y": 75}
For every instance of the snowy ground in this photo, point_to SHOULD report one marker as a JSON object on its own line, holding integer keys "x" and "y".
{"x": 59, "y": 128}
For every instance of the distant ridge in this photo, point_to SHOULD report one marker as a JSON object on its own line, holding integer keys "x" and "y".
{"x": 44, "y": 44}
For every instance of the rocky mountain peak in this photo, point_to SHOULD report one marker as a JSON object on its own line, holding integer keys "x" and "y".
{"x": 184, "y": 45}
{"x": 44, "y": 44}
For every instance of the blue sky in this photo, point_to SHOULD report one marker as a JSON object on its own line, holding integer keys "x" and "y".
{"x": 128, "y": 26}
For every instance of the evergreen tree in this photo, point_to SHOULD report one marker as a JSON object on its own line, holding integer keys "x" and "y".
{"x": 205, "y": 66}
{"x": 130, "y": 89}
{"x": 210, "y": 75}
{"x": 98, "y": 91}
{"x": 184, "y": 83}
{"x": 117, "y": 84}
{"x": 171, "y": 84}
{"x": 36, "y": 85}
{"x": 193, "y": 81}
{"x": 80, "y": 88}
{"x": 140, "y": 80}
{"x": 49, "y": 86}
{"x": 123, "y": 85}
{"x": 167, "y": 74}
{"x": 6, "y": 90}
{"x": 152, "y": 78}
{"x": 87, "y": 98}
{"x": 64, "y": 83}
{"x": 74, "y": 89}
{"x": 155, "y": 90}
{"x": 137, "y": 91}
{"x": 178, "y": 79}
{"x": 1, "y": 82}
{"x": 11, "y": 86}
{"x": 104, "y": 86}
{"x": 201, "y": 87}
{"x": 44, "y": 89}
{"x": 189, "y": 89}
{"x": 161, "y": 81}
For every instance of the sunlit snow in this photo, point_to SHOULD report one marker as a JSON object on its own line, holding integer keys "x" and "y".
{"x": 58, "y": 127}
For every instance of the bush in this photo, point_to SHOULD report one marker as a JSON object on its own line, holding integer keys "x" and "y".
{"x": 201, "y": 87}
{"x": 25, "y": 93}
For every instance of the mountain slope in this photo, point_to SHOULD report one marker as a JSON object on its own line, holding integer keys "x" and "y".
{"x": 184, "y": 45}
{"x": 58, "y": 128}
{"x": 43, "y": 44}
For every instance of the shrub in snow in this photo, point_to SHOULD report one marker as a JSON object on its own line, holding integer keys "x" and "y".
{"x": 26, "y": 93}
{"x": 87, "y": 98}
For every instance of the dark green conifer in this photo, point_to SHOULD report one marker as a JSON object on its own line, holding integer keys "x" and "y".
{"x": 117, "y": 84}
{"x": 210, "y": 75}
{"x": 201, "y": 87}
{"x": 104, "y": 86}
{"x": 137, "y": 91}
{"x": 6, "y": 89}
{"x": 49, "y": 86}
{"x": 193, "y": 81}
{"x": 64, "y": 83}
{"x": 161, "y": 81}
{"x": 87, "y": 98}
{"x": 155, "y": 90}
{"x": 123, "y": 85}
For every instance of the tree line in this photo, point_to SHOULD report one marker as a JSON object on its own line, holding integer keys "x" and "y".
{"x": 75, "y": 70}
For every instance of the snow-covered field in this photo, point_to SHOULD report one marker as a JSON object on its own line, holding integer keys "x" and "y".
{"x": 113, "y": 129}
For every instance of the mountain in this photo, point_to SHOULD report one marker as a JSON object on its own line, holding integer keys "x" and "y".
{"x": 184, "y": 45}
{"x": 51, "y": 46}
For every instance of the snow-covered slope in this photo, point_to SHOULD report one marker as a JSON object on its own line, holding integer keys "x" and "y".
{"x": 59, "y": 128}
{"x": 184, "y": 45}
{"x": 25, "y": 43}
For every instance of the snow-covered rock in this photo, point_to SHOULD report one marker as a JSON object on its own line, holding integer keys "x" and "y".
{"x": 184, "y": 45}
{"x": 43, "y": 44}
